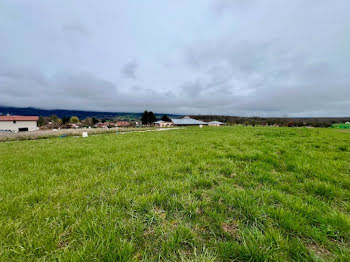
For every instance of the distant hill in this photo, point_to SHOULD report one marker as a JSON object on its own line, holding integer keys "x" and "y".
{"x": 30, "y": 111}
{"x": 280, "y": 121}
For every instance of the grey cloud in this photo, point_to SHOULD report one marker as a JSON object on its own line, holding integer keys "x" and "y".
{"x": 20, "y": 86}
{"x": 238, "y": 57}
{"x": 63, "y": 90}
{"x": 277, "y": 81}
{"x": 192, "y": 89}
{"x": 220, "y": 6}
{"x": 75, "y": 28}
{"x": 83, "y": 85}
{"x": 129, "y": 70}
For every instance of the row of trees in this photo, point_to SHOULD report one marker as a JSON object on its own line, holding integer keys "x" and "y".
{"x": 148, "y": 118}
{"x": 279, "y": 121}
{"x": 55, "y": 121}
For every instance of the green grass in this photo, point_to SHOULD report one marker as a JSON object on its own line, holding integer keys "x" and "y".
{"x": 211, "y": 194}
{"x": 341, "y": 125}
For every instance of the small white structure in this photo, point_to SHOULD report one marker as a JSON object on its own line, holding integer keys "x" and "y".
{"x": 18, "y": 123}
{"x": 162, "y": 123}
{"x": 85, "y": 134}
{"x": 215, "y": 123}
{"x": 347, "y": 123}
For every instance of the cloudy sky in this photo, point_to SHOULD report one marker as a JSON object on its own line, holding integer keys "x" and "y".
{"x": 235, "y": 57}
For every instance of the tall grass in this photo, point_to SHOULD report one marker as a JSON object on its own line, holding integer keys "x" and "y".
{"x": 43, "y": 134}
{"x": 210, "y": 194}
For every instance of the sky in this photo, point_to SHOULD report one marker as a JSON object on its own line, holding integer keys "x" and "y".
{"x": 229, "y": 57}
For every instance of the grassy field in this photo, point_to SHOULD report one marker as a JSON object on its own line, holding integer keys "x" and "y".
{"x": 211, "y": 194}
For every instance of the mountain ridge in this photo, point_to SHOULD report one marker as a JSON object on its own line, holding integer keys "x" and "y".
{"x": 28, "y": 111}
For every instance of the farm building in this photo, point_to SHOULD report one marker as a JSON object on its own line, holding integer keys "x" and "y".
{"x": 187, "y": 121}
{"x": 215, "y": 123}
{"x": 122, "y": 124}
{"x": 18, "y": 123}
{"x": 162, "y": 123}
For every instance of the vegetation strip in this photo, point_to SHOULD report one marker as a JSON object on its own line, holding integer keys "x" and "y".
{"x": 5, "y": 137}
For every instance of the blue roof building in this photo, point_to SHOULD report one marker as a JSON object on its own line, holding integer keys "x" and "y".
{"x": 187, "y": 121}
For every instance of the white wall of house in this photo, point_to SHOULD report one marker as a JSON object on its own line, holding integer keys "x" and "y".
{"x": 15, "y": 125}
{"x": 166, "y": 124}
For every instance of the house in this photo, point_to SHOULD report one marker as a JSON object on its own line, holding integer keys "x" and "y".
{"x": 215, "y": 123}
{"x": 187, "y": 121}
{"x": 122, "y": 124}
{"x": 18, "y": 123}
{"x": 105, "y": 124}
{"x": 162, "y": 123}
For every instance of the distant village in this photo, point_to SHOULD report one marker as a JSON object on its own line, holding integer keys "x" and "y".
{"x": 15, "y": 123}
{"x": 20, "y": 123}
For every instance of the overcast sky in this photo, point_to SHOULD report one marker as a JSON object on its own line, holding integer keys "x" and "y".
{"x": 235, "y": 57}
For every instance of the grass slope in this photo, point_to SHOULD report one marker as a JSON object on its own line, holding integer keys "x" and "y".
{"x": 211, "y": 194}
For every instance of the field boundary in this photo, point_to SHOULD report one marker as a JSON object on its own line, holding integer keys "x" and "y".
{"x": 37, "y": 135}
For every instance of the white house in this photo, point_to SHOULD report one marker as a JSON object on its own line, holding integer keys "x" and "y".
{"x": 18, "y": 123}
{"x": 162, "y": 123}
{"x": 215, "y": 123}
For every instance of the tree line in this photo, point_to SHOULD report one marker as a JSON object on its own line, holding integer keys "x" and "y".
{"x": 56, "y": 122}
{"x": 149, "y": 118}
{"x": 277, "y": 121}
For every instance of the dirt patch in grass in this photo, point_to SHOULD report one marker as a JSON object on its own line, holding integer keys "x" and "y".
{"x": 230, "y": 228}
{"x": 62, "y": 244}
{"x": 319, "y": 250}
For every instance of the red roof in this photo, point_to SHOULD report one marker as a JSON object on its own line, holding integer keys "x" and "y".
{"x": 19, "y": 118}
{"x": 123, "y": 123}
{"x": 105, "y": 124}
